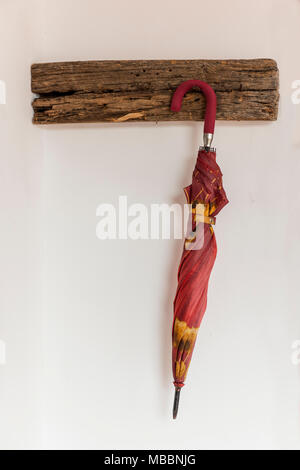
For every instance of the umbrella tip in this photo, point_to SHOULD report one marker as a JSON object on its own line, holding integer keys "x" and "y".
{"x": 176, "y": 401}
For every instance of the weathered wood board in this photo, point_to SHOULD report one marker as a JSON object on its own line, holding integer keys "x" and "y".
{"x": 141, "y": 90}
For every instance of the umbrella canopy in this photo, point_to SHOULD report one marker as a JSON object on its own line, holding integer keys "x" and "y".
{"x": 206, "y": 197}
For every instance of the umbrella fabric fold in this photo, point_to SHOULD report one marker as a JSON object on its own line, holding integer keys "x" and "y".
{"x": 206, "y": 197}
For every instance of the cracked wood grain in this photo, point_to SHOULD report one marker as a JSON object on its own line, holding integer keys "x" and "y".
{"x": 124, "y": 91}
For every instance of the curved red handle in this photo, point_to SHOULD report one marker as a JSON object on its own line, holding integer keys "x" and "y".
{"x": 211, "y": 101}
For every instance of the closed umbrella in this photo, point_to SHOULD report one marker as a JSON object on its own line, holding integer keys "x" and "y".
{"x": 206, "y": 197}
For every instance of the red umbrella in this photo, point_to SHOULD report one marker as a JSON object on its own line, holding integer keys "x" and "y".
{"x": 206, "y": 197}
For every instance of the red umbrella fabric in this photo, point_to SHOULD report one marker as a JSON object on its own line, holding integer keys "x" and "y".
{"x": 206, "y": 197}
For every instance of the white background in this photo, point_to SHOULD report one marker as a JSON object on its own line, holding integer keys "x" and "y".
{"x": 87, "y": 323}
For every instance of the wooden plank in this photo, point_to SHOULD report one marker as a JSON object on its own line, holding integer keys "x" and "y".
{"x": 121, "y": 91}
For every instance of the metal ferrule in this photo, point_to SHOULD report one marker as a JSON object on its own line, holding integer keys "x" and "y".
{"x": 207, "y": 139}
{"x": 208, "y": 149}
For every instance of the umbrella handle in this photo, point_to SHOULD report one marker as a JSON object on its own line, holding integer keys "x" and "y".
{"x": 211, "y": 106}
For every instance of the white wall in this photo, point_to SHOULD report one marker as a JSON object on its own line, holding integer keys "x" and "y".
{"x": 87, "y": 323}
{"x": 20, "y": 249}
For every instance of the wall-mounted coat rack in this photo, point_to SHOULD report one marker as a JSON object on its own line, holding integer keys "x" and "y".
{"x": 139, "y": 90}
